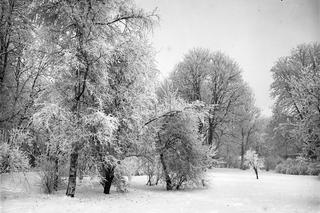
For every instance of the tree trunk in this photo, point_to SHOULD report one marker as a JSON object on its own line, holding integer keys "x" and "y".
{"x": 107, "y": 185}
{"x": 242, "y": 152}
{"x": 80, "y": 175}
{"x": 166, "y": 174}
{"x": 256, "y": 171}
{"x": 242, "y": 158}
{"x": 149, "y": 183}
{"x": 200, "y": 126}
{"x": 56, "y": 173}
{"x": 72, "y": 174}
{"x": 107, "y": 175}
{"x": 210, "y": 132}
{"x": 5, "y": 42}
{"x": 157, "y": 180}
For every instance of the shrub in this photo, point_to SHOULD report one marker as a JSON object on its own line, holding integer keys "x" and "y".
{"x": 186, "y": 167}
{"x": 153, "y": 169}
{"x": 298, "y": 167}
{"x": 183, "y": 157}
{"x": 271, "y": 162}
{"x": 49, "y": 174}
{"x": 120, "y": 182}
{"x": 12, "y": 159}
{"x": 279, "y": 168}
{"x": 121, "y": 177}
{"x": 230, "y": 162}
{"x": 313, "y": 169}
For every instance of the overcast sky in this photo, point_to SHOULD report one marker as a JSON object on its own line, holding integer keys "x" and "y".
{"x": 255, "y": 33}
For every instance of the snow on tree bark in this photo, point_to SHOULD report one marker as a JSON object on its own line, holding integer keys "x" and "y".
{"x": 71, "y": 188}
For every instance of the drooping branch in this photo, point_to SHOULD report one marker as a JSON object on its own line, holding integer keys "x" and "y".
{"x": 126, "y": 17}
{"x": 171, "y": 113}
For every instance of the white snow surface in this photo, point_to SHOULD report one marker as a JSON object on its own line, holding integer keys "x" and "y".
{"x": 229, "y": 190}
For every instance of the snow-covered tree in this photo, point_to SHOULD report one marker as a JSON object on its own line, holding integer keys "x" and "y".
{"x": 101, "y": 63}
{"x": 296, "y": 91}
{"x": 215, "y": 79}
{"x": 12, "y": 157}
{"x": 178, "y": 142}
{"x": 245, "y": 123}
{"x": 253, "y": 161}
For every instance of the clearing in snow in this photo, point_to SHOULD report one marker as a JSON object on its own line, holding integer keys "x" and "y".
{"x": 229, "y": 190}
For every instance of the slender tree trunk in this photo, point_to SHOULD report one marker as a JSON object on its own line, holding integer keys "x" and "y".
{"x": 210, "y": 132}
{"x": 4, "y": 62}
{"x": 5, "y": 42}
{"x": 256, "y": 172}
{"x": 166, "y": 174}
{"x": 157, "y": 180}
{"x": 56, "y": 168}
{"x": 200, "y": 126}
{"x": 242, "y": 158}
{"x": 149, "y": 183}
{"x": 242, "y": 152}
{"x": 56, "y": 173}
{"x": 72, "y": 174}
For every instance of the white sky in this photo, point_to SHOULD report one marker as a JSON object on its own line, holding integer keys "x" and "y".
{"x": 253, "y": 32}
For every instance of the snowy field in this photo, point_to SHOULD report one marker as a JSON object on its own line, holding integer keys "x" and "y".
{"x": 230, "y": 190}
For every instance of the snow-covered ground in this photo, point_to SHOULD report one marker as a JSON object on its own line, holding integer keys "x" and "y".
{"x": 230, "y": 190}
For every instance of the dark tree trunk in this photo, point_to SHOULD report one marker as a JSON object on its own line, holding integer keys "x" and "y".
{"x": 242, "y": 153}
{"x": 149, "y": 183}
{"x": 80, "y": 175}
{"x": 200, "y": 127}
{"x": 166, "y": 174}
{"x": 157, "y": 180}
{"x": 107, "y": 185}
{"x": 210, "y": 132}
{"x": 72, "y": 174}
{"x": 256, "y": 171}
{"x": 180, "y": 183}
{"x": 56, "y": 173}
{"x": 107, "y": 178}
{"x": 4, "y": 57}
{"x": 242, "y": 158}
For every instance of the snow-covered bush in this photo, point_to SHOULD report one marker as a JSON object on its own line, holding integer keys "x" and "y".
{"x": 178, "y": 140}
{"x": 271, "y": 162}
{"x": 280, "y": 168}
{"x": 183, "y": 157}
{"x": 12, "y": 158}
{"x": 49, "y": 175}
{"x": 292, "y": 166}
{"x": 122, "y": 175}
{"x": 120, "y": 182}
{"x": 298, "y": 167}
{"x": 153, "y": 169}
{"x": 313, "y": 169}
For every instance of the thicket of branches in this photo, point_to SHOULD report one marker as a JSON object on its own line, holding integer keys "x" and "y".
{"x": 295, "y": 126}
{"x": 80, "y": 96}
